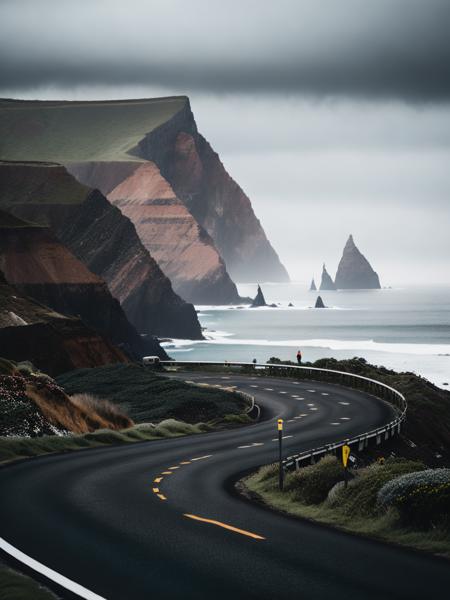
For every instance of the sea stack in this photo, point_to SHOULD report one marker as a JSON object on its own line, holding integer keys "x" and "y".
{"x": 313, "y": 287}
{"x": 259, "y": 299}
{"x": 319, "y": 303}
{"x": 326, "y": 283}
{"x": 354, "y": 271}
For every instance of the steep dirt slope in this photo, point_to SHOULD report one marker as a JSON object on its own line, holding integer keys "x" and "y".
{"x": 182, "y": 248}
{"x": 103, "y": 239}
{"x": 36, "y": 262}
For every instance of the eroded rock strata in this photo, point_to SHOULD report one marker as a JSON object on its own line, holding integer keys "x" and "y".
{"x": 181, "y": 247}
{"x": 103, "y": 239}
{"x": 52, "y": 342}
{"x": 39, "y": 265}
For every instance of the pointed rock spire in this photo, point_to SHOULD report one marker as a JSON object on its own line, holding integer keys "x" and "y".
{"x": 319, "y": 303}
{"x": 259, "y": 299}
{"x": 326, "y": 283}
{"x": 313, "y": 286}
{"x": 354, "y": 270}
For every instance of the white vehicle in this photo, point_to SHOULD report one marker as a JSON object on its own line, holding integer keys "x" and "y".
{"x": 150, "y": 360}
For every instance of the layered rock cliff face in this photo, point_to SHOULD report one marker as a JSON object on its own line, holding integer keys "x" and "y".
{"x": 52, "y": 342}
{"x": 326, "y": 283}
{"x": 183, "y": 250}
{"x": 33, "y": 260}
{"x": 102, "y": 143}
{"x": 103, "y": 239}
{"x": 354, "y": 270}
{"x": 218, "y": 203}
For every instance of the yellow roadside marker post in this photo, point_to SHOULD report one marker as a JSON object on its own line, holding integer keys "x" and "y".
{"x": 280, "y": 449}
{"x": 345, "y": 455}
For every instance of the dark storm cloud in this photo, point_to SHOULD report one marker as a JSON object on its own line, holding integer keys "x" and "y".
{"x": 388, "y": 48}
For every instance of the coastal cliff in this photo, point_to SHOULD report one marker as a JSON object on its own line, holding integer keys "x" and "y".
{"x": 52, "y": 342}
{"x": 103, "y": 239}
{"x": 102, "y": 143}
{"x": 200, "y": 180}
{"x": 39, "y": 265}
{"x": 354, "y": 270}
{"x": 181, "y": 247}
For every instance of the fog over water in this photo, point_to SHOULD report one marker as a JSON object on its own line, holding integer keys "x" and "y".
{"x": 334, "y": 117}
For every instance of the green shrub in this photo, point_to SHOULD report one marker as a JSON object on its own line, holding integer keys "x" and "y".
{"x": 311, "y": 484}
{"x": 360, "y": 498}
{"x": 421, "y": 498}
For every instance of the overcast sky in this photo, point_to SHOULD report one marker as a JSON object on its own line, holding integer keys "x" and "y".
{"x": 334, "y": 116}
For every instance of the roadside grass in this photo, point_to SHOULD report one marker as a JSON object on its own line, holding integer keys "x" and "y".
{"x": 146, "y": 396}
{"x": 15, "y": 448}
{"x": 15, "y": 586}
{"x": 352, "y": 509}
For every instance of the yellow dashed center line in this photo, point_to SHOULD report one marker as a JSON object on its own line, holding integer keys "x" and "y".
{"x": 170, "y": 472}
{"x": 226, "y": 526}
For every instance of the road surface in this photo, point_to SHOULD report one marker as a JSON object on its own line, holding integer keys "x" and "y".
{"x": 161, "y": 520}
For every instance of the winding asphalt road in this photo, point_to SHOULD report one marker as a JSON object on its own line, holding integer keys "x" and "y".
{"x": 160, "y": 519}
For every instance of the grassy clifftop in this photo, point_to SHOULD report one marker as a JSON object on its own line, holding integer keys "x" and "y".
{"x": 80, "y": 131}
{"x": 146, "y": 396}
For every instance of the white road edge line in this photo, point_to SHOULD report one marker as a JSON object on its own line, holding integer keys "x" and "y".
{"x": 61, "y": 580}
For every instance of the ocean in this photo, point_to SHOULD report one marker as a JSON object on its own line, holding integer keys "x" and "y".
{"x": 403, "y": 328}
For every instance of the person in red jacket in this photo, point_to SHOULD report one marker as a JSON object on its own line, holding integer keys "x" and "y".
{"x": 299, "y": 357}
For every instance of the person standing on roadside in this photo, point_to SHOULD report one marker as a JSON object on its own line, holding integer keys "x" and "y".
{"x": 299, "y": 357}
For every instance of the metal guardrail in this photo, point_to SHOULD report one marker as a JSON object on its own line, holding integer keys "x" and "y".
{"x": 359, "y": 382}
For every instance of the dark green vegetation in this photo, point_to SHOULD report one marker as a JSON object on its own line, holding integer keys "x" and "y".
{"x": 147, "y": 396}
{"x": 15, "y": 586}
{"x": 317, "y": 492}
{"x": 80, "y": 131}
{"x": 16, "y": 448}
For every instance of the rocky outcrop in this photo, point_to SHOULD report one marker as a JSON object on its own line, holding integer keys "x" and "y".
{"x": 259, "y": 299}
{"x": 354, "y": 270}
{"x": 319, "y": 303}
{"x": 52, "y": 342}
{"x": 327, "y": 283}
{"x": 104, "y": 240}
{"x": 181, "y": 247}
{"x": 100, "y": 140}
{"x": 35, "y": 261}
{"x": 312, "y": 287}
